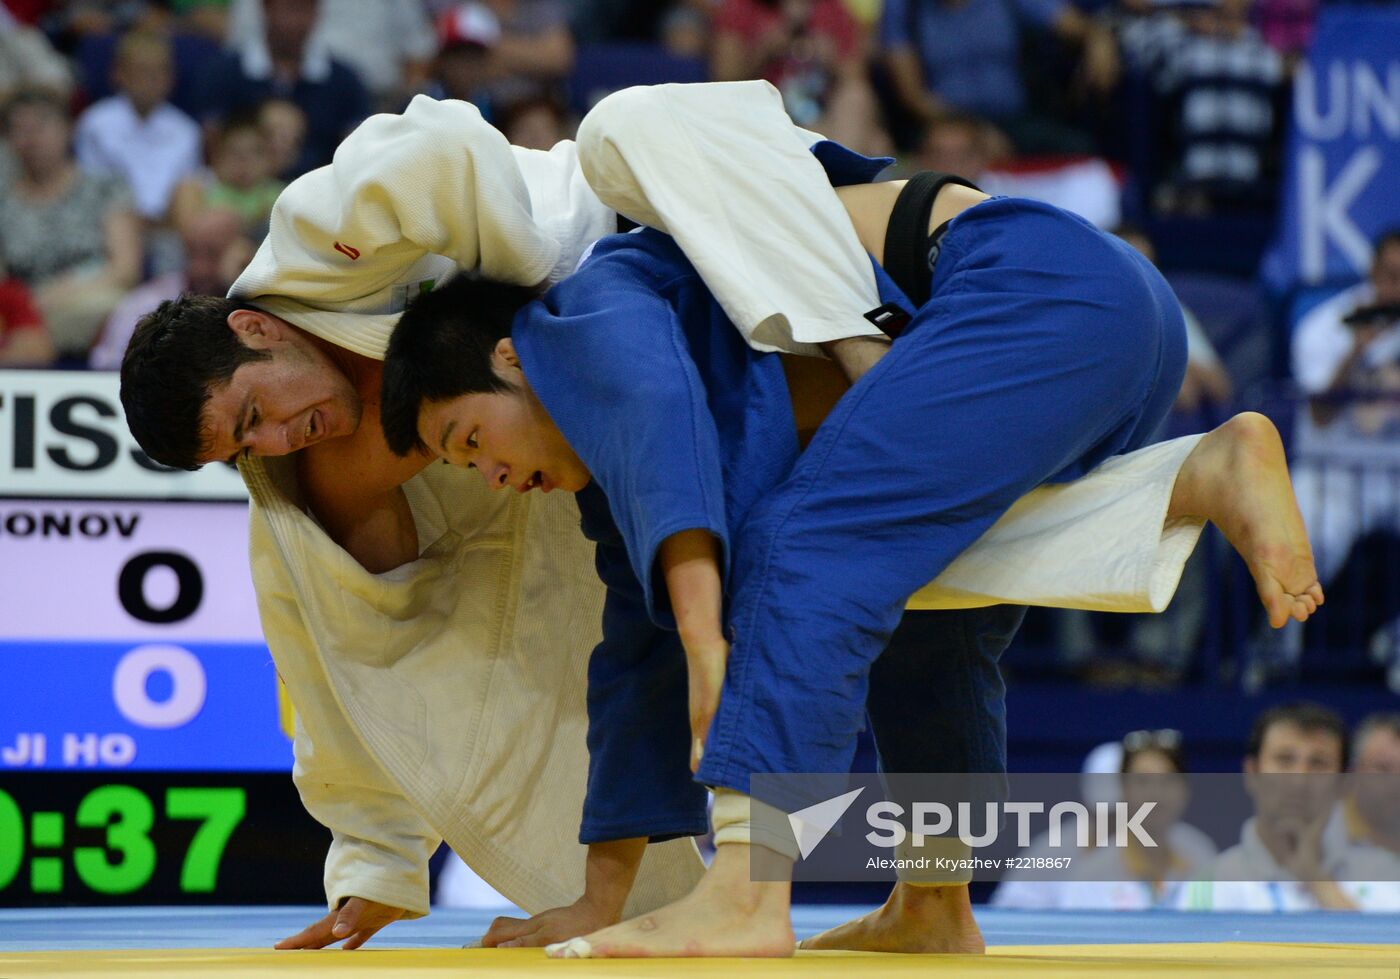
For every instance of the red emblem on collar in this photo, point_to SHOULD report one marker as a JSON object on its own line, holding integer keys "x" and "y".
{"x": 348, "y": 251}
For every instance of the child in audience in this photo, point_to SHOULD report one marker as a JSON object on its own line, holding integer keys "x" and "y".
{"x": 240, "y": 178}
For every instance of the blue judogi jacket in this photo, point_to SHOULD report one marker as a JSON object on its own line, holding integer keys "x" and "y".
{"x": 682, "y": 426}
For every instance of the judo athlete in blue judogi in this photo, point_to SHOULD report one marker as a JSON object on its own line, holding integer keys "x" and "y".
{"x": 1043, "y": 348}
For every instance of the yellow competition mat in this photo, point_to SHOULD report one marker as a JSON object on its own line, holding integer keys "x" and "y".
{"x": 222, "y": 941}
{"x": 1167, "y": 959}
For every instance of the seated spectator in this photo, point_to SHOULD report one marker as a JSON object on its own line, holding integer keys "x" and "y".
{"x": 1346, "y": 360}
{"x": 389, "y": 43}
{"x": 288, "y": 60}
{"x": 239, "y": 179}
{"x": 465, "y": 66}
{"x": 963, "y": 56}
{"x": 813, "y": 52}
{"x": 1135, "y": 877}
{"x": 1218, "y": 85}
{"x": 27, "y": 60}
{"x": 1367, "y": 823}
{"x": 976, "y": 149}
{"x": 284, "y": 125}
{"x": 23, "y": 340}
{"x": 496, "y": 52}
{"x": 1284, "y": 861}
{"x": 215, "y": 252}
{"x": 685, "y": 31}
{"x": 137, "y": 135}
{"x": 535, "y": 124}
{"x": 70, "y": 236}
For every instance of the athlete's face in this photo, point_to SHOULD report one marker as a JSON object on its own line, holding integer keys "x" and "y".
{"x": 272, "y": 407}
{"x": 506, "y": 435}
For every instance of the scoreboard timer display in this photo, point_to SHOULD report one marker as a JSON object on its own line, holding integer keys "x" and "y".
{"x": 157, "y": 838}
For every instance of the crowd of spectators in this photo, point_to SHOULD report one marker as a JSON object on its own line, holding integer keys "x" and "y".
{"x": 125, "y": 120}
{"x": 1323, "y": 834}
{"x": 145, "y": 141}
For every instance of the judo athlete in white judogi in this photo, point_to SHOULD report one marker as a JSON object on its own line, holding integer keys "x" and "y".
{"x": 434, "y": 637}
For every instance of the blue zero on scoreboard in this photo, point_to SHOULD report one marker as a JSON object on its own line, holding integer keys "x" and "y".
{"x": 140, "y": 706}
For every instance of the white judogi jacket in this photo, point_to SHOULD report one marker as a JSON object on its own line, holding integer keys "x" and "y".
{"x": 445, "y": 699}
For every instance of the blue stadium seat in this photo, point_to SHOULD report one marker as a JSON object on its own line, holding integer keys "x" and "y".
{"x": 1235, "y": 316}
{"x": 600, "y": 69}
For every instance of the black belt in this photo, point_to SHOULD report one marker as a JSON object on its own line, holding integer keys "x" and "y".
{"x": 910, "y": 250}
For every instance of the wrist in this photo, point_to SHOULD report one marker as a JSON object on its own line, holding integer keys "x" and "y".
{"x": 611, "y": 868}
{"x": 706, "y": 638}
{"x": 603, "y": 903}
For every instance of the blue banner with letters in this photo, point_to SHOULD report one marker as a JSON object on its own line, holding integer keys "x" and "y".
{"x": 156, "y": 705}
{"x": 1342, "y": 176}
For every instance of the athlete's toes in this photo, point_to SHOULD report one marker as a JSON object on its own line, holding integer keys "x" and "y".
{"x": 1277, "y": 603}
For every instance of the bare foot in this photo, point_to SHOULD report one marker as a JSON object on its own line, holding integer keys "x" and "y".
{"x": 727, "y": 914}
{"x": 914, "y": 919}
{"x": 1237, "y": 478}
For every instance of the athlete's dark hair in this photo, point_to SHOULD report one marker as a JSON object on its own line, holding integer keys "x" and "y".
{"x": 180, "y": 352}
{"x": 1304, "y": 715}
{"x": 441, "y": 348}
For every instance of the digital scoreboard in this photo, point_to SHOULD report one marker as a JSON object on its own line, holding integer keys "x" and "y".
{"x": 145, "y": 745}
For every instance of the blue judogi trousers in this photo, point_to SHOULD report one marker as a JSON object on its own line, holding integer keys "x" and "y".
{"x": 1046, "y": 347}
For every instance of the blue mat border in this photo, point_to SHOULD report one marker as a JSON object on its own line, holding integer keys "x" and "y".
{"x": 91, "y": 929}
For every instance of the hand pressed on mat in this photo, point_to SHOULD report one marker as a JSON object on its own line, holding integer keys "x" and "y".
{"x": 356, "y": 922}
{"x": 608, "y": 876}
{"x": 547, "y": 927}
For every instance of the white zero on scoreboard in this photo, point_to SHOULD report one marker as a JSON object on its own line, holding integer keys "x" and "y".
{"x": 109, "y": 570}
